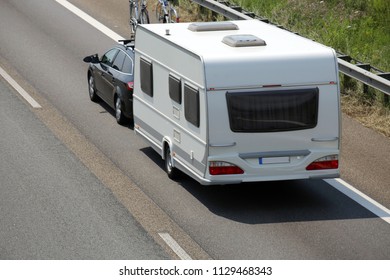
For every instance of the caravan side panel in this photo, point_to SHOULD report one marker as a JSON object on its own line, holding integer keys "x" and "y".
{"x": 176, "y": 118}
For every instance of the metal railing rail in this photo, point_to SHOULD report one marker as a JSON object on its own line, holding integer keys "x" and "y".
{"x": 360, "y": 71}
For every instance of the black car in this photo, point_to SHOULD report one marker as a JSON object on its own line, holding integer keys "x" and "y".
{"x": 110, "y": 78}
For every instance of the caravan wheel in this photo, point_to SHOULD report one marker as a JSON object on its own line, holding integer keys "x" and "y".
{"x": 169, "y": 168}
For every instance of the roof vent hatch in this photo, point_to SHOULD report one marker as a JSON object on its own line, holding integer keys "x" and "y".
{"x": 212, "y": 26}
{"x": 243, "y": 40}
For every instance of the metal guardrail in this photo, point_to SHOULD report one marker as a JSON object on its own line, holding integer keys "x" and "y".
{"x": 359, "y": 71}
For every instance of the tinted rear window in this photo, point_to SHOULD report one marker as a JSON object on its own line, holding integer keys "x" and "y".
{"x": 272, "y": 111}
{"x": 127, "y": 66}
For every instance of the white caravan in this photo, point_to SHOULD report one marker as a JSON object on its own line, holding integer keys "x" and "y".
{"x": 237, "y": 101}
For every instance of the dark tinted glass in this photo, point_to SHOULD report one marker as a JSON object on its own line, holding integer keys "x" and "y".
{"x": 118, "y": 62}
{"x": 273, "y": 111}
{"x": 146, "y": 77}
{"x": 127, "y": 65}
{"x": 109, "y": 56}
{"x": 191, "y": 105}
{"x": 175, "y": 89}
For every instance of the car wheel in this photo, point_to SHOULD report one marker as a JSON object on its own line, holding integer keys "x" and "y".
{"x": 92, "y": 90}
{"x": 120, "y": 118}
{"x": 169, "y": 168}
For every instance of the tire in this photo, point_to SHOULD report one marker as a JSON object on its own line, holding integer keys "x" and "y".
{"x": 169, "y": 168}
{"x": 92, "y": 89}
{"x": 159, "y": 13}
{"x": 120, "y": 118}
{"x": 174, "y": 17}
{"x": 144, "y": 18}
{"x": 133, "y": 26}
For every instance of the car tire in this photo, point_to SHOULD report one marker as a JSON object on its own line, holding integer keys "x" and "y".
{"x": 169, "y": 168}
{"x": 92, "y": 89}
{"x": 120, "y": 118}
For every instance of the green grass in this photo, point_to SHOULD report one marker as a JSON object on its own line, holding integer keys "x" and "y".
{"x": 359, "y": 28}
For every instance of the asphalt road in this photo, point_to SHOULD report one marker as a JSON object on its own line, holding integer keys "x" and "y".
{"x": 51, "y": 205}
{"x": 110, "y": 179}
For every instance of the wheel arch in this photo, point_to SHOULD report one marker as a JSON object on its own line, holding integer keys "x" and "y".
{"x": 166, "y": 143}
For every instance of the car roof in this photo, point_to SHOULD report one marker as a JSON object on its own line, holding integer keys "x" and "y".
{"x": 127, "y": 49}
{"x": 126, "y": 45}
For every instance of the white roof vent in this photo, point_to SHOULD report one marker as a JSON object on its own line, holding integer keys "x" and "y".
{"x": 243, "y": 40}
{"x": 212, "y": 26}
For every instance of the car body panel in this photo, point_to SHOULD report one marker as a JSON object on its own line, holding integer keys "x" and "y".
{"x": 112, "y": 73}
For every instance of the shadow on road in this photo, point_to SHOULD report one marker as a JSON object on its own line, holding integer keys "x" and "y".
{"x": 272, "y": 202}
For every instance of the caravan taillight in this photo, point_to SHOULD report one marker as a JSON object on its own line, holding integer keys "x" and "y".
{"x": 224, "y": 168}
{"x": 328, "y": 162}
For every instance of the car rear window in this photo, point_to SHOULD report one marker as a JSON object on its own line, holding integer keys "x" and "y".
{"x": 118, "y": 62}
{"x": 128, "y": 66}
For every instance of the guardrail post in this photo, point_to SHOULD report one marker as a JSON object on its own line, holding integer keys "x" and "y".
{"x": 367, "y": 67}
{"x": 348, "y": 81}
{"x": 385, "y": 97}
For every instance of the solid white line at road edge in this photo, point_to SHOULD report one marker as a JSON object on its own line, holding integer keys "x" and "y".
{"x": 19, "y": 89}
{"x": 359, "y": 197}
{"x": 174, "y": 246}
{"x": 104, "y": 29}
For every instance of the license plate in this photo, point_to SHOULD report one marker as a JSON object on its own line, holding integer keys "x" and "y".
{"x": 273, "y": 160}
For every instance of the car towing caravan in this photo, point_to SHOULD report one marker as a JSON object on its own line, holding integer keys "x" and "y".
{"x": 237, "y": 101}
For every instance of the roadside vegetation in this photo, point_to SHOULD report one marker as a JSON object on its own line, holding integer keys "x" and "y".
{"x": 359, "y": 28}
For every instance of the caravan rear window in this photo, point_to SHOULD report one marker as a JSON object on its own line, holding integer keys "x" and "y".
{"x": 272, "y": 111}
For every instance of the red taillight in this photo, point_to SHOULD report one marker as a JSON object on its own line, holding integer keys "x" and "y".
{"x": 328, "y": 162}
{"x": 224, "y": 168}
{"x": 177, "y": 19}
{"x": 130, "y": 86}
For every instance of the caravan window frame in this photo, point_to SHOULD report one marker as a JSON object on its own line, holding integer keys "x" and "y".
{"x": 146, "y": 75}
{"x": 191, "y": 104}
{"x": 175, "y": 89}
{"x": 273, "y": 110}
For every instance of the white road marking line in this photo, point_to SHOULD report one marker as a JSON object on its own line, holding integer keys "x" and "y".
{"x": 104, "y": 29}
{"x": 19, "y": 89}
{"x": 174, "y": 246}
{"x": 364, "y": 200}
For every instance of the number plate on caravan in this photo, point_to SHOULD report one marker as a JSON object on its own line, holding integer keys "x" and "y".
{"x": 272, "y": 160}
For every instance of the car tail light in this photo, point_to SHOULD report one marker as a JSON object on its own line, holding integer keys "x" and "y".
{"x": 224, "y": 168}
{"x": 130, "y": 86}
{"x": 328, "y": 162}
{"x": 177, "y": 20}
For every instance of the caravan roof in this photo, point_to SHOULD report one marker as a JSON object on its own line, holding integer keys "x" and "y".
{"x": 245, "y": 51}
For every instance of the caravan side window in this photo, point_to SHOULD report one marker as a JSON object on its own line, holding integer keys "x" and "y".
{"x": 175, "y": 89}
{"x": 146, "y": 77}
{"x": 191, "y": 105}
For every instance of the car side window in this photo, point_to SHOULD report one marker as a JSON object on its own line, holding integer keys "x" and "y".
{"x": 109, "y": 56}
{"x": 128, "y": 65}
{"x": 118, "y": 62}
